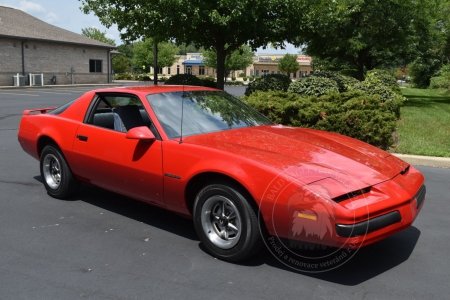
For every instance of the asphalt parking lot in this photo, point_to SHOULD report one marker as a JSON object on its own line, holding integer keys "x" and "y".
{"x": 105, "y": 246}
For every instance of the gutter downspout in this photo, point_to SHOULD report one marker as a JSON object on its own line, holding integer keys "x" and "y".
{"x": 23, "y": 57}
{"x": 109, "y": 65}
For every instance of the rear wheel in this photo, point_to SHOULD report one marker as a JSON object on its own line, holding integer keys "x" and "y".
{"x": 58, "y": 178}
{"x": 226, "y": 222}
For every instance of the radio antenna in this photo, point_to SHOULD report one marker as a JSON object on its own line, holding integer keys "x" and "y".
{"x": 182, "y": 115}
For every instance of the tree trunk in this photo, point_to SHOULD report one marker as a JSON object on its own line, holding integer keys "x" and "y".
{"x": 360, "y": 64}
{"x": 360, "y": 72}
{"x": 220, "y": 50}
{"x": 155, "y": 63}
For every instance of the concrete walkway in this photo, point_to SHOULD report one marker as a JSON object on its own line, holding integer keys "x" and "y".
{"x": 429, "y": 161}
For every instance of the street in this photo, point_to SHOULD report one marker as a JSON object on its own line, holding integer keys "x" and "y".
{"x": 105, "y": 246}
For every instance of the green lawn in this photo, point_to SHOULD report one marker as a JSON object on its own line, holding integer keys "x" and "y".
{"x": 424, "y": 128}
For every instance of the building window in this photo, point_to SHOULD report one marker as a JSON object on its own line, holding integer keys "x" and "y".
{"x": 95, "y": 66}
{"x": 278, "y": 72}
{"x": 160, "y": 71}
{"x": 295, "y": 75}
{"x": 178, "y": 69}
{"x": 201, "y": 70}
{"x": 251, "y": 72}
{"x": 257, "y": 72}
{"x": 168, "y": 71}
{"x": 273, "y": 72}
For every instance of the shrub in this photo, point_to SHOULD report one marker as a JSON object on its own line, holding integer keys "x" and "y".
{"x": 162, "y": 79}
{"x": 440, "y": 83}
{"x": 234, "y": 83}
{"x": 353, "y": 73}
{"x": 123, "y": 76}
{"x": 342, "y": 81}
{"x": 313, "y": 86}
{"x": 442, "y": 80}
{"x": 271, "y": 82}
{"x": 184, "y": 79}
{"x": 233, "y": 78}
{"x": 143, "y": 77}
{"x": 384, "y": 78}
{"x": 353, "y": 114}
{"x": 244, "y": 78}
{"x": 207, "y": 82}
{"x": 241, "y": 74}
{"x": 386, "y": 95}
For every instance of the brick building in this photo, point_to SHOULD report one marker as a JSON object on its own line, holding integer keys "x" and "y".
{"x": 29, "y": 45}
{"x": 191, "y": 63}
{"x": 265, "y": 64}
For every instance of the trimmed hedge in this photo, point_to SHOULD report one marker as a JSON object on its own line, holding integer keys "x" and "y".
{"x": 386, "y": 95}
{"x": 440, "y": 83}
{"x": 313, "y": 86}
{"x": 271, "y": 82}
{"x": 208, "y": 81}
{"x": 234, "y": 83}
{"x": 354, "y": 114}
{"x": 342, "y": 81}
{"x": 123, "y": 76}
{"x": 381, "y": 77}
{"x": 184, "y": 79}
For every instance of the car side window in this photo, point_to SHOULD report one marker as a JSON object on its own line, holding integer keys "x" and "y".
{"x": 120, "y": 113}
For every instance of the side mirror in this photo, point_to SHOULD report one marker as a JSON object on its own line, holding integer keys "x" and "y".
{"x": 141, "y": 133}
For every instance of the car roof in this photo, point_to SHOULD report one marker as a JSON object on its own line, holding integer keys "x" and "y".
{"x": 151, "y": 89}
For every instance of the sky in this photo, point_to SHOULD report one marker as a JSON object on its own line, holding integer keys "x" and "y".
{"x": 67, "y": 14}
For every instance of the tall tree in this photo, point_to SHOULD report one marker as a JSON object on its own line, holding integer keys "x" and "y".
{"x": 126, "y": 49}
{"x": 239, "y": 59}
{"x": 363, "y": 33}
{"x": 143, "y": 54}
{"x": 121, "y": 64}
{"x": 96, "y": 34}
{"x": 220, "y": 25}
{"x": 184, "y": 49}
{"x": 430, "y": 41}
{"x": 288, "y": 64}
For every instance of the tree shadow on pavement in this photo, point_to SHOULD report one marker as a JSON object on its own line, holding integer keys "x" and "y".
{"x": 367, "y": 263}
{"x": 137, "y": 210}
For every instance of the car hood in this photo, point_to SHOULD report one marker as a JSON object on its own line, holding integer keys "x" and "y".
{"x": 306, "y": 154}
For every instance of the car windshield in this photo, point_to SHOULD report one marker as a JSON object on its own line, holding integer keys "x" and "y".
{"x": 203, "y": 112}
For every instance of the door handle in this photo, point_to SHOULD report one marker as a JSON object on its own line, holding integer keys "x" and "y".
{"x": 82, "y": 138}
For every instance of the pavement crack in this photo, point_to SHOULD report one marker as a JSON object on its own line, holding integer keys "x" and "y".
{"x": 7, "y": 116}
{"x": 20, "y": 183}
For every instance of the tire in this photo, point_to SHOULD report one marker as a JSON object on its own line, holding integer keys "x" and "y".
{"x": 56, "y": 174}
{"x": 226, "y": 222}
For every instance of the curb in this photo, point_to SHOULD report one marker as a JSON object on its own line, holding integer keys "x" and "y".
{"x": 427, "y": 161}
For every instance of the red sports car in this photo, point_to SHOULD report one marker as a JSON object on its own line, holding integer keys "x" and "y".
{"x": 204, "y": 154}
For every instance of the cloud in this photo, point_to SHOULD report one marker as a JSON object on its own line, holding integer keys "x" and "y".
{"x": 51, "y": 17}
{"x": 29, "y": 6}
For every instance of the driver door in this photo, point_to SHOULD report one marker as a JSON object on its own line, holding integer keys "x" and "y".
{"x": 106, "y": 158}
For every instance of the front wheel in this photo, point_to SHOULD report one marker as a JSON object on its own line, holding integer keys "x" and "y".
{"x": 226, "y": 222}
{"x": 58, "y": 178}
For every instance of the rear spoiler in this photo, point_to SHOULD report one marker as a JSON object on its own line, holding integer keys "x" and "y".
{"x": 36, "y": 110}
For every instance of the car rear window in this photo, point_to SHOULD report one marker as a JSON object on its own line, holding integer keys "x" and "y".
{"x": 61, "y": 108}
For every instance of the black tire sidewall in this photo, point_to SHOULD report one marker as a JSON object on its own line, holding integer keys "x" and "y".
{"x": 67, "y": 185}
{"x": 245, "y": 244}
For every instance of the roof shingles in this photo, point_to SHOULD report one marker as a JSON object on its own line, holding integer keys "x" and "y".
{"x": 18, "y": 24}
